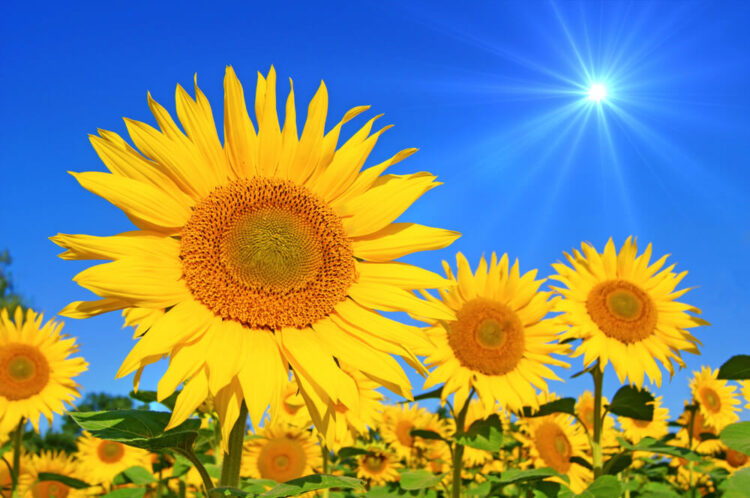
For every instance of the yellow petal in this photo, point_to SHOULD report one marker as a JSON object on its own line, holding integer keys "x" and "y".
{"x": 399, "y": 239}
{"x": 263, "y": 376}
{"x": 87, "y": 309}
{"x": 136, "y": 243}
{"x": 241, "y": 143}
{"x": 269, "y": 133}
{"x": 401, "y": 275}
{"x": 192, "y": 395}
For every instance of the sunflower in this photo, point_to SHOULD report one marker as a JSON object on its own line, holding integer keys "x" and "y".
{"x": 268, "y": 251}
{"x": 635, "y": 430}
{"x": 584, "y": 409}
{"x": 499, "y": 343}
{"x": 399, "y": 420}
{"x": 732, "y": 460}
{"x": 717, "y": 400}
{"x": 281, "y": 453}
{"x": 552, "y": 441}
{"x": 101, "y": 460}
{"x": 24, "y": 479}
{"x": 625, "y": 311}
{"x": 705, "y": 437}
{"x": 379, "y": 466}
{"x": 55, "y": 463}
{"x": 36, "y": 373}
{"x": 292, "y": 409}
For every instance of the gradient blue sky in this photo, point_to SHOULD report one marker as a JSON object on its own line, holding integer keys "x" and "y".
{"x": 493, "y": 94}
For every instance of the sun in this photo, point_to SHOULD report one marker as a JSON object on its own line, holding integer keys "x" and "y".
{"x": 597, "y": 92}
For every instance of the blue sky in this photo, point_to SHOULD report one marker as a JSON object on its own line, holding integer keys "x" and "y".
{"x": 493, "y": 94}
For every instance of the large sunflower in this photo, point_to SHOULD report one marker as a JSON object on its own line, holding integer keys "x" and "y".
{"x": 36, "y": 373}
{"x": 281, "y": 453}
{"x": 55, "y": 463}
{"x": 267, "y": 251}
{"x": 499, "y": 343}
{"x": 625, "y": 310}
{"x": 552, "y": 441}
{"x": 101, "y": 460}
{"x": 716, "y": 398}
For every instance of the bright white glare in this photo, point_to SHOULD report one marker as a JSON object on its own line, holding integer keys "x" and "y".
{"x": 597, "y": 92}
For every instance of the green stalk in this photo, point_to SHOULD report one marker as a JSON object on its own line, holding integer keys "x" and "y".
{"x": 691, "y": 423}
{"x": 207, "y": 482}
{"x": 326, "y": 454}
{"x": 17, "y": 447}
{"x": 230, "y": 467}
{"x": 596, "y": 444}
{"x": 458, "y": 449}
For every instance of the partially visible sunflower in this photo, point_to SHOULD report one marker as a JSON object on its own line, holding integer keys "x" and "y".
{"x": 292, "y": 409}
{"x": 272, "y": 250}
{"x": 635, "y": 430}
{"x": 474, "y": 457}
{"x": 399, "y": 420}
{"x": 585, "y": 411}
{"x": 36, "y": 371}
{"x": 717, "y": 400}
{"x": 101, "y": 460}
{"x": 281, "y": 453}
{"x": 379, "y": 466}
{"x": 625, "y": 310}
{"x": 500, "y": 343}
{"x": 732, "y": 460}
{"x": 711, "y": 445}
{"x": 24, "y": 479}
{"x": 56, "y": 463}
{"x": 552, "y": 441}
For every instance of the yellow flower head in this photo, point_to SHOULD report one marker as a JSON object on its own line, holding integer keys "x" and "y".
{"x": 380, "y": 465}
{"x": 635, "y": 430}
{"x": 499, "y": 343}
{"x": 701, "y": 429}
{"x": 36, "y": 373}
{"x": 399, "y": 420}
{"x": 717, "y": 400}
{"x": 281, "y": 453}
{"x": 55, "y": 463}
{"x": 585, "y": 411}
{"x": 101, "y": 460}
{"x": 273, "y": 249}
{"x": 625, "y": 310}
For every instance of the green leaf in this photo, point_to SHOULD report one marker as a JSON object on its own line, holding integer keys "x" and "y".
{"x": 564, "y": 405}
{"x": 350, "y": 451}
{"x": 419, "y": 479}
{"x": 181, "y": 466}
{"x": 313, "y": 482}
{"x": 139, "y": 428}
{"x": 603, "y": 487}
{"x": 618, "y": 463}
{"x": 737, "y": 437}
{"x": 658, "y": 490}
{"x": 126, "y": 493}
{"x": 651, "y": 445}
{"x": 486, "y": 434}
{"x": 480, "y": 490}
{"x": 424, "y": 434}
{"x": 434, "y": 394}
{"x": 517, "y": 475}
{"x": 150, "y": 397}
{"x": 582, "y": 462}
{"x": 257, "y": 486}
{"x": 139, "y": 475}
{"x": 737, "y": 485}
{"x": 68, "y": 481}
{"x": 633, "y": 403}
{"x": 736, "y": 368}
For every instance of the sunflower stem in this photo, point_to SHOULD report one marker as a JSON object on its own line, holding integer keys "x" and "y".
{"x": 230, "y": 467}
{"x": 17, "y": 446}
{"x": 596, "y": 444}
{"x": 207, "y": 482}
{"x": 458, "y": 449}
{"x": 326, "y": 455}
{"x": 691, "y": 423}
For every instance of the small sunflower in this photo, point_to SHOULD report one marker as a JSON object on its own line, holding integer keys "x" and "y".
{"x": 36, "y": 371}
{"x": 585, "y": 411}
{"x": 635, "y": 430}
{"x": 269, "y": 251}
{"x": 625, "y": 310}
{"x": 500, "y": 343}
{"x": 399, "y": 420}
{"x": 732, "y": 460}
{"x": 379, "y": 466}
{"x": 281, "y": 453}
{"x": 552, "y": 441}
{"x": 705, "y": 436}
{"x": 55, "y": 463}
{"x": 101, "y": 460}
{"x": 717, "y": 400}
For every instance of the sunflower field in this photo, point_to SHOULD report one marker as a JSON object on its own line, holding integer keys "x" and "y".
{"x": 264, "y": 270}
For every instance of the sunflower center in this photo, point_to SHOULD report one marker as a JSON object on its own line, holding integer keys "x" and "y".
{"x": 24, "y": 371}
{"x": 711, "y": 399}
{"x": 587, "y": 415}
{"x": 282, "y": 459}
{"x": 403, "y": 433}
{"x": 700, "y": 426}
{"x": 622, "y": 311}
{"x": 553, "y": 446}
{"x": 487, "y": 337}
{"x": 641, "y": 423}
{"x": 110, "y": 451}
{"x": 374, "y": 463}
{"x": 50, "y": 489}
{"x": 266, "y": 253}
{"x": 735, "y": 459}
